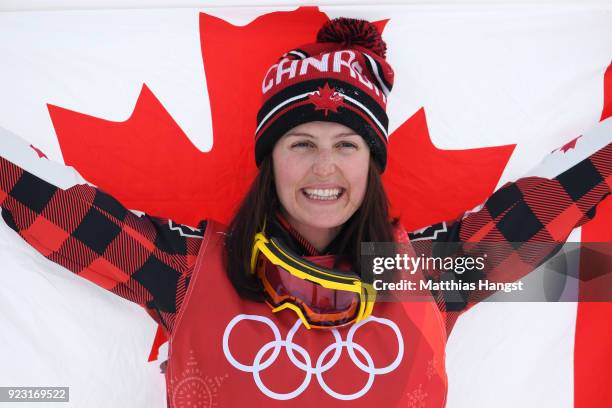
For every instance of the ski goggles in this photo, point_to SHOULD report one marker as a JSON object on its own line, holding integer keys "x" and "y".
{"x": 321, "y": 297}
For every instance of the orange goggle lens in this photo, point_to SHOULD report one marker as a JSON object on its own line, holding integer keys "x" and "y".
{"x": 321, "y": 307}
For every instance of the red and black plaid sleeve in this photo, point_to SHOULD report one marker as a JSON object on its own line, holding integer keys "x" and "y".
{"x": 531, "y": 210}
{"x": 145, "y": 259}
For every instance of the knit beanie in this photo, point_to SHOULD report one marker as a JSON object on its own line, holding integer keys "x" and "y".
{"x": 343, "y": 77}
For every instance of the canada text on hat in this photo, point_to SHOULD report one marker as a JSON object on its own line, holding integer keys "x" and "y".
{"x": 335, "y": 64}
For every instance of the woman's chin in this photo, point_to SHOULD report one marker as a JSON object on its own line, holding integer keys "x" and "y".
{"x": 321, "y": 214}
{"x": 324, "y": 219}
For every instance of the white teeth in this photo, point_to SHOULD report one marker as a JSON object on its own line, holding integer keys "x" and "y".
{"x": 323, "y": 194}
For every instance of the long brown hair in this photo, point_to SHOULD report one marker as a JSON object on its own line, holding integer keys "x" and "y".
{"x": 370, "y": 223}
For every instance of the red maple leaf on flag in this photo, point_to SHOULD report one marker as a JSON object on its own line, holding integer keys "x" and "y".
{"x": 326, "y": 99}
{"x": 155, "y": 167}
{"x": 39, "y": 152}
{"x": 569, "y": 145}
{"x": 425, "y": 184}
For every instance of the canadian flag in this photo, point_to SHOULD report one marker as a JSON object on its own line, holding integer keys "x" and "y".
{"x": 157, "y": 107}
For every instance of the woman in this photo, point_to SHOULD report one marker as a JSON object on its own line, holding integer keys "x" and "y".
{"x": 295, "y": 244}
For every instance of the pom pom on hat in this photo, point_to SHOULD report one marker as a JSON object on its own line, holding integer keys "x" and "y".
{"x": 351, "y": 31}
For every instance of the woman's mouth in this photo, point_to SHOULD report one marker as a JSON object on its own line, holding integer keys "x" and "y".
{"x": 323, "y": 194}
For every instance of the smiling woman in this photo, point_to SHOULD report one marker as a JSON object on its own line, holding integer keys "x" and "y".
{"x": 321, "y": 185}
{"x": 321, "y": 172}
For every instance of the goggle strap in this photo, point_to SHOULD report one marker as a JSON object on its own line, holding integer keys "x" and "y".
{"x": 314, "y": 270}
{"x": 354, "y": 286}
{"x": 259, "y": 237}
{"x": 366, "y": 302}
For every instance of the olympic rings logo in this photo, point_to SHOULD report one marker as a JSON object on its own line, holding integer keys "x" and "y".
{"x": 319, "y": 368}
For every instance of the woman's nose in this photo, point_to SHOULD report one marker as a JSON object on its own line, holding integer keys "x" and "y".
{"x": 324, "y": 164}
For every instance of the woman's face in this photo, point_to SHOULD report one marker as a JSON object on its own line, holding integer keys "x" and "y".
{"x": 320, "y": 172}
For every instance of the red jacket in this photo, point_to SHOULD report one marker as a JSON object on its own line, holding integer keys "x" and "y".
{"x": 229, "y": 352}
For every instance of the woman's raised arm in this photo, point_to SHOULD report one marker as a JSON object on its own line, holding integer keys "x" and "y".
{"x": 147, "y": 260}
{"x": 562, "y": 193}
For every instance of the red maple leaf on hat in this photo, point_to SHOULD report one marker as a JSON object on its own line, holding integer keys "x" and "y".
{"x": 326, "y": 99}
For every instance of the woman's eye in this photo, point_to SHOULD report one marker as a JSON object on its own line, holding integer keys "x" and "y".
{"x": 347, "y": 145}
{"x": 301, "y": 145}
